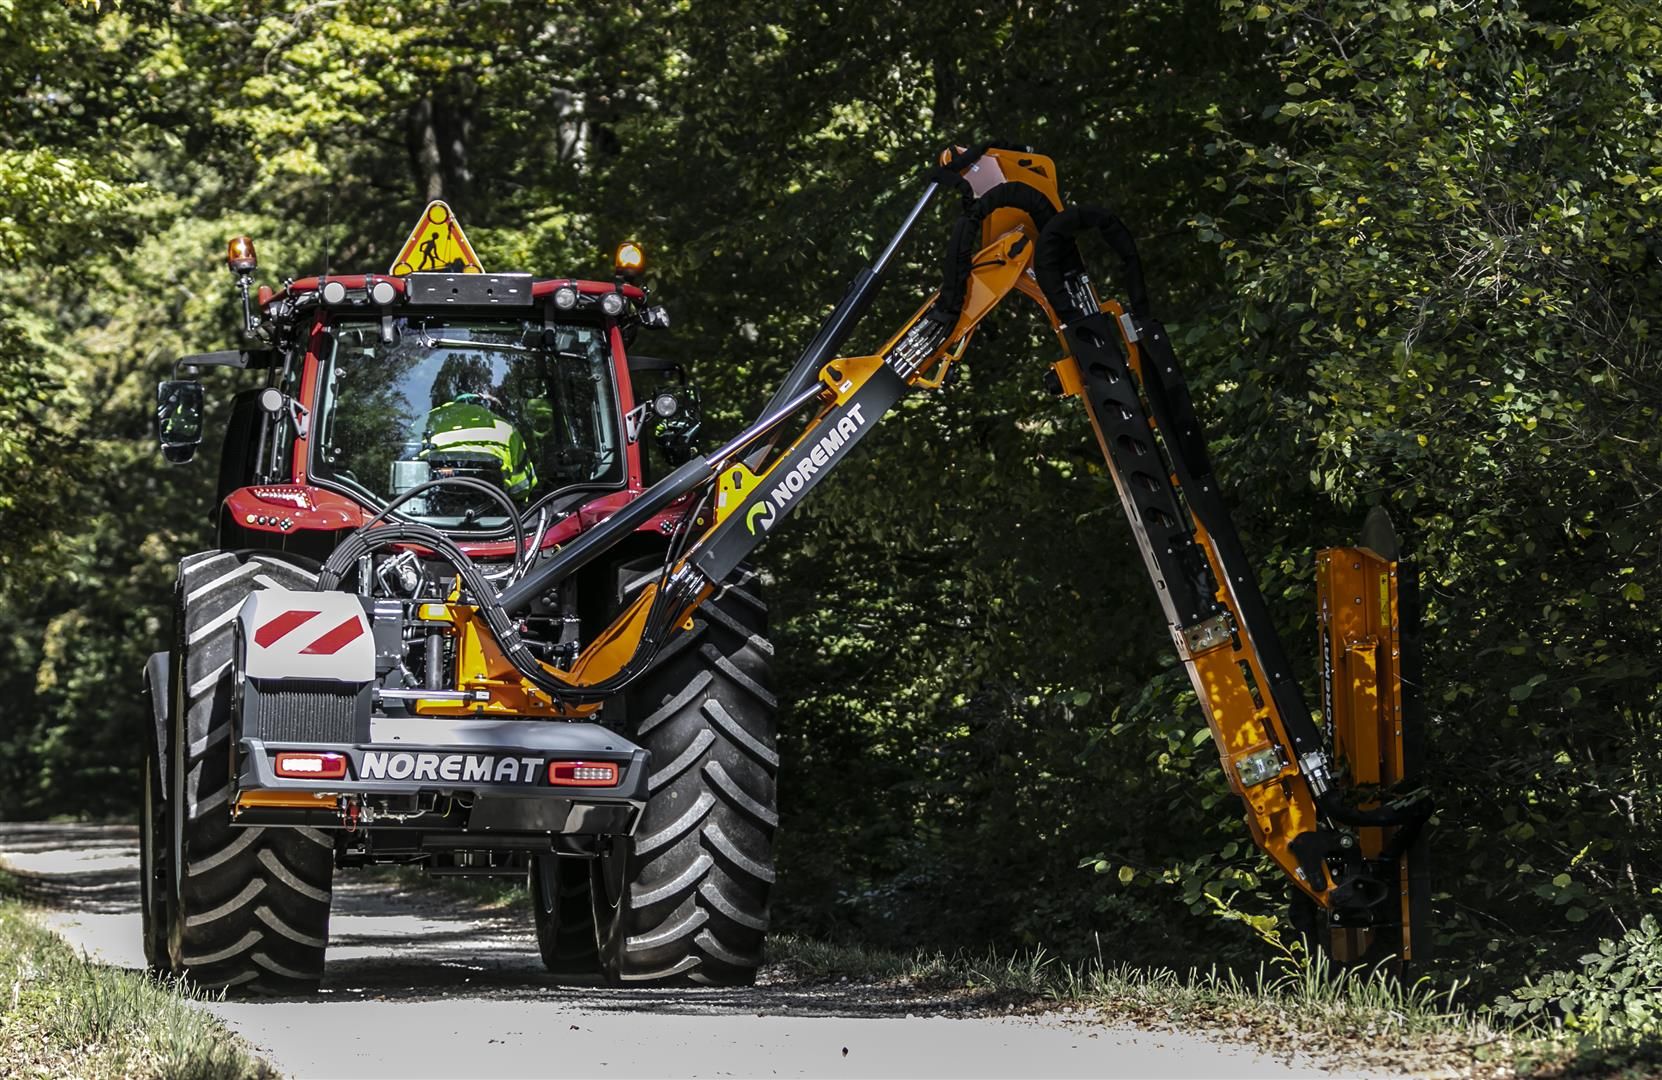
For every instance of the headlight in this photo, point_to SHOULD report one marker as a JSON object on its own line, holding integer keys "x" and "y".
{"x": 333, "y": 292}
{"x": 565, "y": 298}
{"x": 612, "y": 303}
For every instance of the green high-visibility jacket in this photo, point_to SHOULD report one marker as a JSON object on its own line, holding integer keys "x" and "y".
{"x": 460, "y": 425}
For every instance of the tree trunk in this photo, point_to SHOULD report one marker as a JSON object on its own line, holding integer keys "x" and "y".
{"x": 438, "y": 128}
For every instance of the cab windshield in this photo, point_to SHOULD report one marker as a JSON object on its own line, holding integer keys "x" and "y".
{"x": 518, "y": 405}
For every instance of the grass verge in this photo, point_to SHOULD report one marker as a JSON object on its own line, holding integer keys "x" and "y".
{"x": 64, "y": 1015}
{"x": 1349, "y": 1020}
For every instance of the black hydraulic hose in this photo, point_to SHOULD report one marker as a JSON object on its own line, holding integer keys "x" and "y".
{"x": 498, "y": 612}
{"x": 342, "y": 560}
{"x": 1057, "y": 260}
{"x": 958, "y": 262}
{"x": 501, "y": 624}
{"x": 1413, "y": 813}
{"x": 460, "y": 481}
{"x": 579, "y": 552}
{"x": 766, "y": 424}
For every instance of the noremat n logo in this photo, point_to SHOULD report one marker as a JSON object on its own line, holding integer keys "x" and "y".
{"x": 458, "y": 768}
{"x": 795, "y": 477}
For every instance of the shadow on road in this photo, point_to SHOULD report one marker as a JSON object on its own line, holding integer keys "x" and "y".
{"x": 103, "y": 877}
{"x": 394, "y": 941}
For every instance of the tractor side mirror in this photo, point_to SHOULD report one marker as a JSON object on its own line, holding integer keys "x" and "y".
{"x": 179, "y": 407}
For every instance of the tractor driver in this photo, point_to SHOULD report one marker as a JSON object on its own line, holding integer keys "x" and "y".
{"x": 467, "y": 425}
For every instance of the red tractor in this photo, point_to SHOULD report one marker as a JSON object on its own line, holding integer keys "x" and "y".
{"x": 296, "y": 735}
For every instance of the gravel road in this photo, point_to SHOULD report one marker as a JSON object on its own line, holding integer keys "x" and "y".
{"x": 421, "y": 984}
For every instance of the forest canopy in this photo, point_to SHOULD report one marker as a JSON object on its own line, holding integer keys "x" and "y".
{"x": 1408, "y": 251}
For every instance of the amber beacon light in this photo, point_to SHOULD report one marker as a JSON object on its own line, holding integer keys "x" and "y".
{"x": 630, "y": 258}
{"x": 239, "y": 255}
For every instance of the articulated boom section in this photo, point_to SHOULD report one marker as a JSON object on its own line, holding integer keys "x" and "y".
{"x": 1350, "y": 862}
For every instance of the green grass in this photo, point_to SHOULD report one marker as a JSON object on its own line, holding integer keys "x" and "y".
{"x": 61, "y": 1014}
{"x": 1348, "y": 1019}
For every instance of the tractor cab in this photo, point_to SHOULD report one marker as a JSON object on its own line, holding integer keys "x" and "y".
{"x": 439, "y": 394}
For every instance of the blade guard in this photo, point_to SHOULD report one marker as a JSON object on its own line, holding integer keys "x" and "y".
{"x": 1368, "y": 711}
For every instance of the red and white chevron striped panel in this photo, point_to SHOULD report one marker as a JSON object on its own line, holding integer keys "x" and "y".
{"x": 306, "y": 635}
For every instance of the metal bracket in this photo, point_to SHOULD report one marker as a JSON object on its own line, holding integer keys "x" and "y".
{"x": 1128, "y": 326}
{"x": 1260, "y": 766}
{"x": 1208, "y": 633}
{"x": 633, "y": 420}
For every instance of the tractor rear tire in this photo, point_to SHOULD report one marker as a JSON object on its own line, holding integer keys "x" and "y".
{"x": 248, "y": 906}
{"x": 564, "y": 916}
{"x": 686, "y": 899}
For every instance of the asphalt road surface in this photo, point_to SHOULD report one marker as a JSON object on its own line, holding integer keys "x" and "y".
{"x": 421, "y": 984}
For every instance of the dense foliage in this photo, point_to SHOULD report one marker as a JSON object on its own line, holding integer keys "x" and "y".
{"x": 1410, "y": 252}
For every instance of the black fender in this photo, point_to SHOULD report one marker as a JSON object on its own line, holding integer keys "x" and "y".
{"x": 158, "y": 687}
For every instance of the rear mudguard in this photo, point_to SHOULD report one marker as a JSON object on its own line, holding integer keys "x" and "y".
{"x": 158, "y": 689}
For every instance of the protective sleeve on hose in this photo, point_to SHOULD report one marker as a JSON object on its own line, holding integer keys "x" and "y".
{"x": 1058, "y": 258}
{"x": 956, "y": 264}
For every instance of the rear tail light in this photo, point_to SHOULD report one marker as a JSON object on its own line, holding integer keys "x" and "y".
{"x": 311, "y": 766}
{"x": 583, "y": 773}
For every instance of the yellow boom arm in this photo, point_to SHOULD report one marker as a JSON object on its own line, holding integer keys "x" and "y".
{"x": 1348, "y": 859}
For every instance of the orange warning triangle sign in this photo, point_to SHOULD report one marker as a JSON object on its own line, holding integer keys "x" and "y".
{"x": 437, "y": 244}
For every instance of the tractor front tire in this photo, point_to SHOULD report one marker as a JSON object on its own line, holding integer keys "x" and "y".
{"x": 686, "y": 899}
{"x": 248, "y": 906}
{"x": 564, "y": 916}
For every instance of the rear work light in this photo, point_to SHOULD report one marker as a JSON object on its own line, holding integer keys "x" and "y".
{"x": 311, "y": 766}
{"x": 583, "y": 773}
